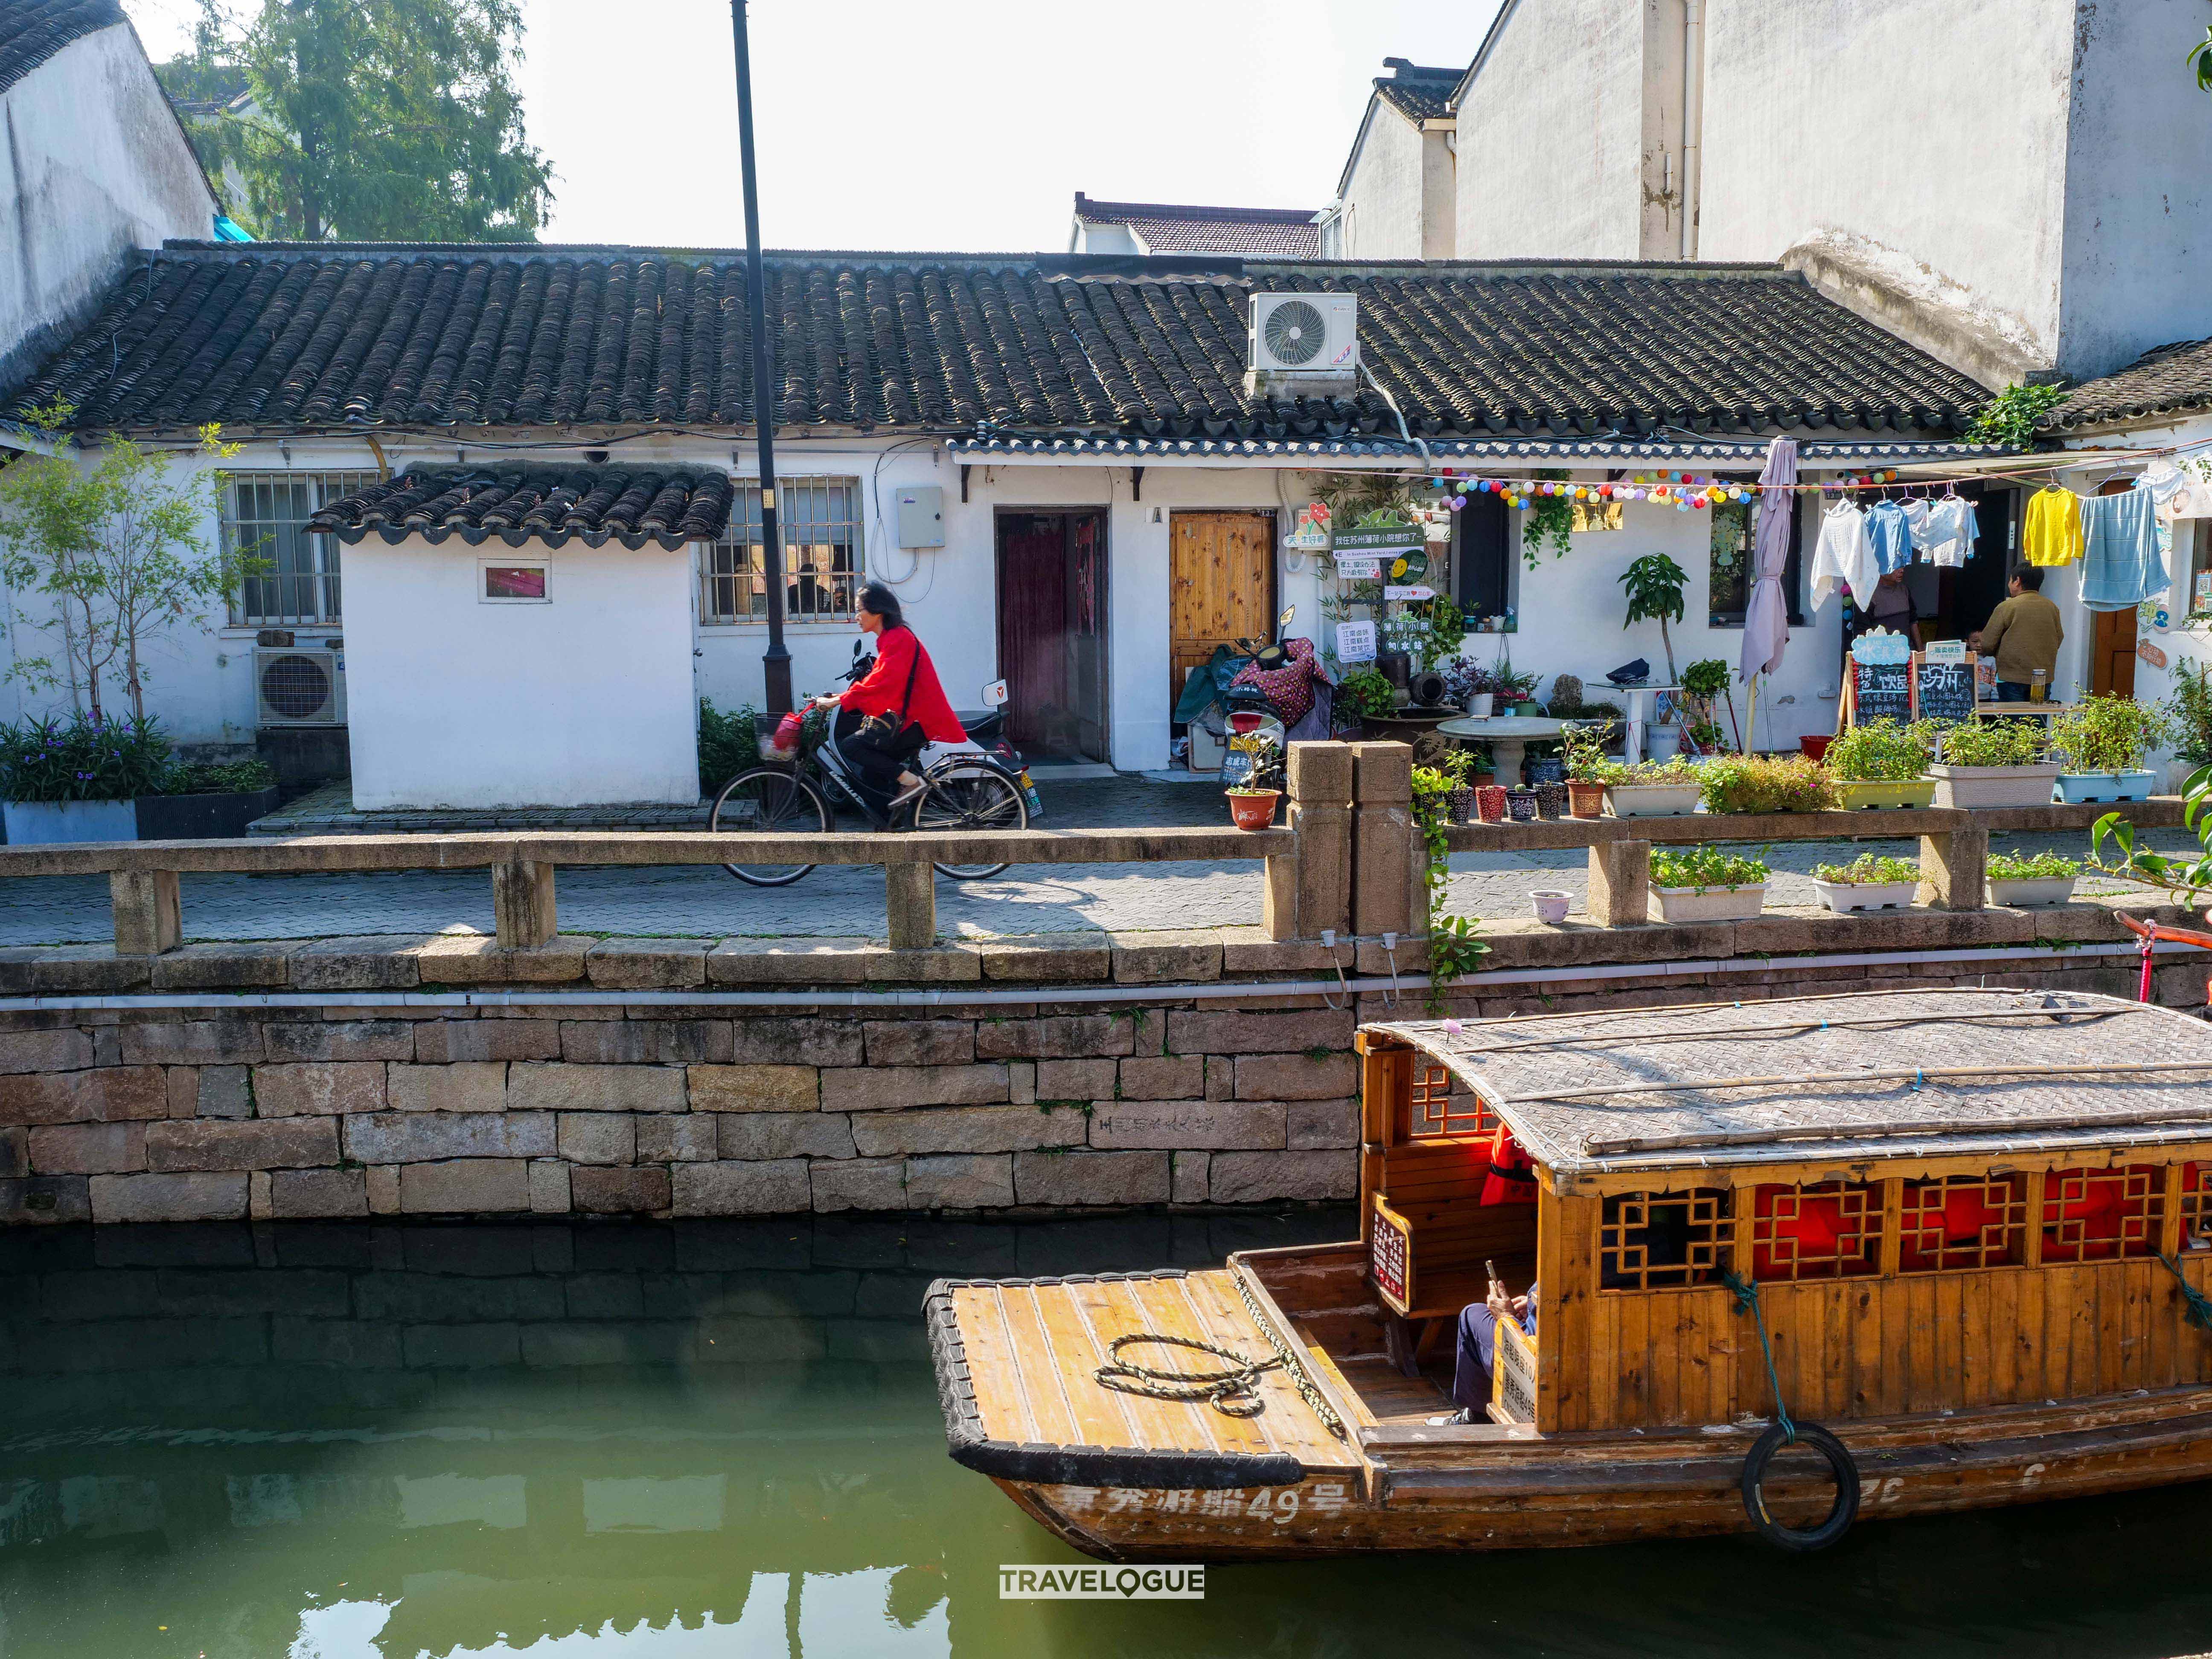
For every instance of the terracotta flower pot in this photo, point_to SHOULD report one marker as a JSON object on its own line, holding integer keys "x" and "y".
{"x": 1256, "y": 811}
{"x": 1586, "y": 800}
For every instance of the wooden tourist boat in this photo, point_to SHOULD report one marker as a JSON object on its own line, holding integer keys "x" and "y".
{"x": 1972, "y": 1225}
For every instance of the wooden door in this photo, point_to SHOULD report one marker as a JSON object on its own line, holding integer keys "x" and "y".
{"x": 1052, "y": 632}
{"x": 2112, "y": 653}
{"x": 1221, "y": 586}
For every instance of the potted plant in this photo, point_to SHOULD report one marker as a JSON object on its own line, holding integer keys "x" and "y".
{"x": 208, "y": 799}
{"x": 1472, "y": 686}
{"x": 79, "y": 780}
{"x": 2101, "y": 744}
{"x": 1582, "y": 743}
{"x": 1765, "y": 783}
{"x": 2043, "y": 878}
{"x": 2189, "y": 713}
{"x": 1648, "y": 789}
{"x": 1882, "y": 764}
{"x": 1706, "y": 884}
{"x": 1253, "y": 797}
{"x": 1515, "y": 690}
{"x": 1704, "y": 684}
{"x": 1655, "y": 584}
{"x": 1993, "y": 762}
{"x": 1369, "y": 695}
{"x": 1866, "y": 883}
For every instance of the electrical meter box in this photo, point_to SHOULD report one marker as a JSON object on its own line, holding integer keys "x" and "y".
{"x": 920, "y": 516}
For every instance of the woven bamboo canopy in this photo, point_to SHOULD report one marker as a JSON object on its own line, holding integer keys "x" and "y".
{"x": 1871, "y": 1074}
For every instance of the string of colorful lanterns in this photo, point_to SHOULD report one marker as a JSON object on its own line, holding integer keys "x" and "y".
{"x": 1684, "y": 491}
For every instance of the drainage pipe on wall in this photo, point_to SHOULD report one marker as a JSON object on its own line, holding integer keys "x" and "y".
{"x": 1693, "y": 116}
{"x": 1411, "y": 988}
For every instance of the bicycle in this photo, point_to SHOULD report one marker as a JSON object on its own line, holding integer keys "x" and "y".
{"x": 966, "y": 789}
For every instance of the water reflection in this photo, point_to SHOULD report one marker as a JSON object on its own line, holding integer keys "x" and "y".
{"x": 616, "y": 1442}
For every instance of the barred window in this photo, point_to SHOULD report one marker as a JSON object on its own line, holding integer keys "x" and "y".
{"x": 1831, "y": 1231}
{"x": 264, "y": 520}
{"x": 1659, "y": 1241}
{"x": 2100, "y": 1215}
{"x": 823, "y": 568}
{"x": 1962, "y": 1221}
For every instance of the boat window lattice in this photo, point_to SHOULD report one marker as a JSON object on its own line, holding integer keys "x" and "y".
{"x": 2196, "y": 1204}
{"x": 1829, "y": 1230}
{"x": 1437, "y": 1111}
{"x": 1658, "y": 1240}
{"x": 2101, "y": 1215}
{"x": 1962, "y": 1221}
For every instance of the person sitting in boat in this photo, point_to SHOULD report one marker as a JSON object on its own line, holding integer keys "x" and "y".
{"x": 1478, "y": 1349}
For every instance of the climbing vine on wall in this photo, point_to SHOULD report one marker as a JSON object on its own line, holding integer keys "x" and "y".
{"x": 1549, "y": 519}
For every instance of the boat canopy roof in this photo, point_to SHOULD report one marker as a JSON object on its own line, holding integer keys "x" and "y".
{"x": 1874, "y": 1074}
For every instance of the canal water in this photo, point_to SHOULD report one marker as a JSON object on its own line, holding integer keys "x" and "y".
{"x": 647, "y": 1442}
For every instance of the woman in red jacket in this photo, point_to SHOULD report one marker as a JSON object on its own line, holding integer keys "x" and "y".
{"x": 884, "y": 721}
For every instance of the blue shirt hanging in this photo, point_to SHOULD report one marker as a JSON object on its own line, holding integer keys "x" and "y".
{"x": 2121, "y": 563}
{"x": 1890, "y": 532}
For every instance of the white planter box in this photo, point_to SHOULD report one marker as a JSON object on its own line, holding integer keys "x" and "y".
{"x": 1994, "y": 786}
{"x": 1845, "y": 896}
{"x": 2031, "y": 889}
{"x": 31, "y": 823}
{"x": 1713, "y": 904}
{"x": 1652, "y": 800}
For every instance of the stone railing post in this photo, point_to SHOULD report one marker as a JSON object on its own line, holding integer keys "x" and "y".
{"x": 910, "y": 905}
{"x": 1309, "y": 887}
{"x": 1384, "y": 839}
{"x": 1620, "y": 882}
{"x": 522, "y": 904}
{"x": 1953, "y": 868}
{"x": 148, "y": 911}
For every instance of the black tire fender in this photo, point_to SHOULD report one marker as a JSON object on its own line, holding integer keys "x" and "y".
{"x": 1846, "y": 1473}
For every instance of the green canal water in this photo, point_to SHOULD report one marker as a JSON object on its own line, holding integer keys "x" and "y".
{"x": 659, "y": 1443}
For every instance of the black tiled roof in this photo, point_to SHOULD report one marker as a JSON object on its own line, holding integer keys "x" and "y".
{"x": 1267, "y": 232}
{"x": 292, "y": 337}
{"x": 32, "y": 31}
{"x": 2170, "y": 379}
{"x": 1422, "y": 94}
{"x": 593, "y": 504}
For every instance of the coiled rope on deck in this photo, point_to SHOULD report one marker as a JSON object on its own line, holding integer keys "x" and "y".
{"x": 1234, "y": 1392}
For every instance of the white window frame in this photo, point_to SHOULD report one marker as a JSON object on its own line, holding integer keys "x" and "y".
{"x": 486, "y": 566}
{"x": 815, "y": 589}
{"x": 302, "y": 597}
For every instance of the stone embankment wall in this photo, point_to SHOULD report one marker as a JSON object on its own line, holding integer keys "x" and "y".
{"x": 431, "y": 1101}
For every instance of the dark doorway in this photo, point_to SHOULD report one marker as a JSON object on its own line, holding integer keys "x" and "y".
{"x": 1052, "y": 632}
{"x": 1965, "y": 595}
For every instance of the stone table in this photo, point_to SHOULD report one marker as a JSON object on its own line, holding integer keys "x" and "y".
{"x": 1508, "y": 737}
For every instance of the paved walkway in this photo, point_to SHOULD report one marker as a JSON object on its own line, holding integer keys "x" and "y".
{"x": 693, "y": 903}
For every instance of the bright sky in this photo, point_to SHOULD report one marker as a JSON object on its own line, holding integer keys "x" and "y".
{"x": 887, "y": 125}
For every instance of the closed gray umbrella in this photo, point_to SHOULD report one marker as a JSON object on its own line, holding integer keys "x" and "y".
{"x": 1765, "y": 615}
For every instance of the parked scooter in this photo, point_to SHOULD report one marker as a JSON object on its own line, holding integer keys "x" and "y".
{"x": 1252, "y": 689}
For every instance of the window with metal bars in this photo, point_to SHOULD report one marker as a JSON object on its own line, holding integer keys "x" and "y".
{"x": 1830, "y": 1230}
{"x": 2101, "y": 1215}
{"x": 265, "y": 520}
{"x": 1962, "y": 1221}
{"x": 1662, "y": 1241}
{"x": 823, "y": 566}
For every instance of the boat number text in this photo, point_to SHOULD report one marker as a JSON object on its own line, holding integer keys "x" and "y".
{"x": 1280, "y": 1506}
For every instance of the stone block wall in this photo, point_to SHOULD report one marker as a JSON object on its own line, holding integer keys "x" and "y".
{"x": 434, "y": 1102}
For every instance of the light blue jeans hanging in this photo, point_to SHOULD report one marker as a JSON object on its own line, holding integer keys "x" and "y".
{"x": 2121, "y": 564}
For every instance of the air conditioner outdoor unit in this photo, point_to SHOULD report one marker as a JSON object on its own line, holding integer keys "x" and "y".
{"x": 299, "y": 688}
{"x": 1304, "y": 342}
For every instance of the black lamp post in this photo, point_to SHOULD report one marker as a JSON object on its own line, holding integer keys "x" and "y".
{"x": 775, "y": 661}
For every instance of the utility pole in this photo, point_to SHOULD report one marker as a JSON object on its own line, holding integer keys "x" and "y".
{"x": 775, "y": 661}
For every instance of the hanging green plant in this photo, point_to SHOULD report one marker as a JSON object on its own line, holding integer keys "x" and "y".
{"x": 1455, "y": 946}
{"x": 1549, "y": 519}
{"x": 2010, "y": 417}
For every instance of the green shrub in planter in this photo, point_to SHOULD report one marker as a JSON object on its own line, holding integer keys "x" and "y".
{"x": 1759, "y": 783}
{"x": 1880, "y": 752}
{"x": 244, "y": 777}
{"x": 1994, "y": 743}
{"x": 1869, "y": 870}
{"x": 49, "y": 761}
{"x": 2107, "y": 735}
{"x": 1701, "y": 867}
{"x": 2039, "y": 866}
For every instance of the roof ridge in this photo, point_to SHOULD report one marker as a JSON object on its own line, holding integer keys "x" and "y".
{"x": 1191, "y": 210}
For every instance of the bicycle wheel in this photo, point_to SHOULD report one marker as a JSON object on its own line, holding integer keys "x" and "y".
{"x": 971, "y": 798}
{"x": 770, "y": 801}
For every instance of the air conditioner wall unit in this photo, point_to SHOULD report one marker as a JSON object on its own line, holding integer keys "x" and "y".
{"x": 298, "y": 687}
{"x": 1303, "y": 342}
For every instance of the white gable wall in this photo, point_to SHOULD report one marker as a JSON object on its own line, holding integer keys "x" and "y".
{"x": 1385, "y": 189}
{"x": 93, "y": 164}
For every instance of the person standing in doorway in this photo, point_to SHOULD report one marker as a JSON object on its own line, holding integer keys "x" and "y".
{"x": 2023, "y": 634}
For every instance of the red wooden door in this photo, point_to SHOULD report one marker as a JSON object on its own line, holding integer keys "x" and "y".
{"x": 1052, "y": 632}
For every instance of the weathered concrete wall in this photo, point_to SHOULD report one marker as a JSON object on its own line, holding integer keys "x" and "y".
{"x": 1384, "y": 208}
{"x": 95, "y": 165}
{"x": 640, "y": 1106}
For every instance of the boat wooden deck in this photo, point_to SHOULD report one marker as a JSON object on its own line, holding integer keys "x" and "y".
{"x": 1033, "y": 1348}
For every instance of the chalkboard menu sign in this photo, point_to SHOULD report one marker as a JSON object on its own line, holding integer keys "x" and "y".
{"x": 1946, "y": 690}
{"x": 1882, "y": 690}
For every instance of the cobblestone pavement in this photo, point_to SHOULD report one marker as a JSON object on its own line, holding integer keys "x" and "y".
{"x": 685, "y": 901}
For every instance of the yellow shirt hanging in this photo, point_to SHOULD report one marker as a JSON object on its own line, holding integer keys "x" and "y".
{"x": 2053, "y": 533}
